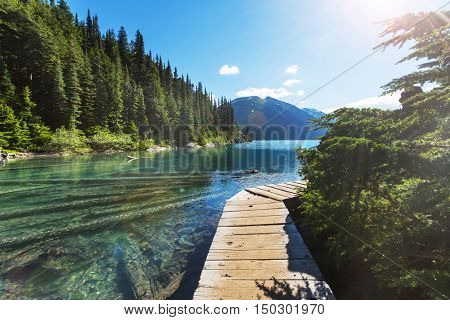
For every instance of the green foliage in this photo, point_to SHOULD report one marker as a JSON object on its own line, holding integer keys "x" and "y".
{"x": 81, "y": 79}
{"x": 211, "y": 136}
{"x": 378, "y": 190}
{"x": 9, "y": 127}
{"x": 103, "y": 140}
{"x": 37, "y": 135}
{"x": 144, "y": 144}
{"x": 68, "y": 140}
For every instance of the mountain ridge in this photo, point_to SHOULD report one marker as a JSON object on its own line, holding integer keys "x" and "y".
{"x": 270, "y": 119}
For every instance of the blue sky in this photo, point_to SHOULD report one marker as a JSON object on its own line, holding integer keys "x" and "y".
{"x": 283, "y": 48}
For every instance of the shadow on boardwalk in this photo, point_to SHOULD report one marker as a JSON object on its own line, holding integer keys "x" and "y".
{"x": 282, "y": 290}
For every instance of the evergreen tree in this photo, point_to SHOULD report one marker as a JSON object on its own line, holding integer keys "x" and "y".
{"x": 10, "y": 130}
{"x": 139, "y": 103}
{"x": 129, "y": 104}
{"x": 56, "y": 117}
{"x": 124, "y": 47}
{"x": 139, "y": 59}
{"x": 35, "y": 135}
{"x": 73, "y": 91}
{"x": 87, "y": 96}
{"x": 7, "y": 88}
{"x": 115, "y": 119}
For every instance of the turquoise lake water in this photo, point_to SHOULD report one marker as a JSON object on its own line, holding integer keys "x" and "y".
{"x": 99, "y": 227}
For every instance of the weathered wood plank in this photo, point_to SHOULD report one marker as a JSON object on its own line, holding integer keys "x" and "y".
{"x": 266, "y": 194}
{"x": 256, "y": 243}
{"x": 209, "y": 276}
{"x": 265, "y": 206}
{"x": 256, "y": 200}
{"x": 241, "y": 195}
{"x": 268, "y": 289}
{"x": 288, "y": 186}
{"x": 262, "y": 254}
{"x": 296, "y": 184}
{"x": 303, "y": 265}
{"x": 277, "y": 191}
{"x": 277, "y": 228}
{"x": 283, "y": 188}
{"x": 261, "y": 221}
{"x": 254, "y": 213}
{"x": 266, "y": 239}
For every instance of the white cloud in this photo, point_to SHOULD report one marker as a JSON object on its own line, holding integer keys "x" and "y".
{"x": 300, "y": 93}
{"x": 387, "y": 102}
{"x": 227, "y": 70}
{"x": 276, "y": 93}
{"x": 292, "y": 82}
{"x": 292, "y": 69}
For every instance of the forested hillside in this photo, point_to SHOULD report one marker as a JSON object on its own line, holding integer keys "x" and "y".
{"x": 378, "y": 194}
{"x": 64, "y": 86}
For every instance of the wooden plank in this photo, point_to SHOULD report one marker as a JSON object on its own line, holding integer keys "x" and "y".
{"x": 250, "y": 245}
{"x": 267, "y": 238}
{"x": 266, "y": 194}
{"x": 209, "y": 276}
{"x": 277, "y": 228}
{"x": 295, "y": 184}
{"x": 304, "y": 265}
{"x": 241, "y": 195}
{"x": 278, "y": 192}
{"x": 283, "y": 188}
{"x": 288, "y": 186}
{"x": 255, "y": 200}
{"x": 254, "y": 213}
{"x": 261, "y": 221}
{"x": 264, "y": 290}
{"x": 263, "y": 254}
{"x": 265, "y": 206}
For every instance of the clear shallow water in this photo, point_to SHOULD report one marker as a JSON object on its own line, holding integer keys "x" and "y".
{"x": 99, "y": 227}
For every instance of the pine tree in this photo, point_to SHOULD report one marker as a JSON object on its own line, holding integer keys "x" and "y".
{"x": 124, "y": 48}
{"x": 10, "y": 130}
{"x": 35, "y": 135}
{"x": 7, "y": 88}
{"x": 139, "y": 59}
{"x": 129, "y": 106}
{"x": 88, "y": 93}
{"x": 155, "y": 104}
{"x": 171, "y": 103}
{"x": 139, "y": 103}
{"x": 59, "y": 98}
{"x": 110, "y": 45}
{"x": 73, "y": 91}
{"x": 115, "y": 118}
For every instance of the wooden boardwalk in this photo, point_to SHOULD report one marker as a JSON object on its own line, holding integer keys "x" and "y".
{"x": 257, "y": 252}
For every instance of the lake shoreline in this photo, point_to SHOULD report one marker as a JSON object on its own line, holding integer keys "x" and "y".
{"x": 15, "y": 155}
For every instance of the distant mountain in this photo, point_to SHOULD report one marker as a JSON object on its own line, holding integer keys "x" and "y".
{"x": 272, "y": 119}
{"x": 314, "y": 112}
